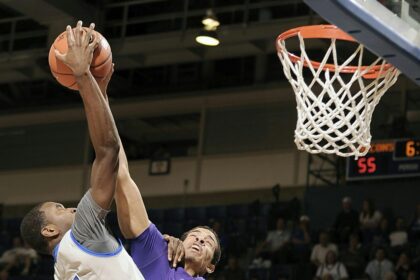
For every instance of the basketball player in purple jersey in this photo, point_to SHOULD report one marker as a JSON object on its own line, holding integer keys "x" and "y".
{"x": 149, "y": 248}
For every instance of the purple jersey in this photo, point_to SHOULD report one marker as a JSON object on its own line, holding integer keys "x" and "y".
{"x": 150, "y": 253}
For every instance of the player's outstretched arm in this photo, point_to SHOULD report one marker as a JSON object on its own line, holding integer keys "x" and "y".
{"x": 132, "y": 215}
{"x": 131, "y": 212}
{"x": 102, "y": 130}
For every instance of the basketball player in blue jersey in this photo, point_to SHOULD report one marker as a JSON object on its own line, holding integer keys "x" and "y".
{"x": 77, "y": 238}
{"x": 149, "y": 248}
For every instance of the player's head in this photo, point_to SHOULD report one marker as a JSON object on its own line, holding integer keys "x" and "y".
{"x": 202, "y": 249}
{"x": 46, "y": 224}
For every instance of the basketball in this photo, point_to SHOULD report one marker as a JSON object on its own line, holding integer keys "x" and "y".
{"x": 100, "y": 66}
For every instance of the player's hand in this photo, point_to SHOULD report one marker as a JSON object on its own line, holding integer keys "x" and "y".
{"x": 103, "y": 84}
{"x": 81, "y": 45}
{"x": 176, "y": 251}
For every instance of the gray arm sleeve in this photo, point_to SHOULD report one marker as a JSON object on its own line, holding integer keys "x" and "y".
{"x": 89, "y": 227}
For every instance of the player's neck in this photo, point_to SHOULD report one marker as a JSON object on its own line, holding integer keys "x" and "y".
{"x": 52, "y": 243}
{"x": 190, "y": 269}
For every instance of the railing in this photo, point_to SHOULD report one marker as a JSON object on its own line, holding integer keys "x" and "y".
{"x": 124, "y": 19}
{"x": 18, "y": 33}
{"x": 121, "y": 18}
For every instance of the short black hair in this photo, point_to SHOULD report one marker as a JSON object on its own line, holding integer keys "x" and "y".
{"x": 217, "y": 253}
{"x": 30, "y": 229}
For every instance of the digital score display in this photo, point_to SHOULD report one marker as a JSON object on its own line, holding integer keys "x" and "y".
{"x": 407, "y": 149}
{"x": 386, "y": 159}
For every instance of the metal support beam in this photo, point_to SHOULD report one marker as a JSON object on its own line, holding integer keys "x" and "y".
{"x": 324, "y": 168}
{"x": 155, "y": 107}
{"x": 47, "y": 12}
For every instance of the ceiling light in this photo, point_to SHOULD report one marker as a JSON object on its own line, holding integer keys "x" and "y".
{"x": 210, "y": 21}
{"x": 208, "y": 38}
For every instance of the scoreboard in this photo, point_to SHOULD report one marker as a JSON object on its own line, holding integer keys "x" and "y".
{"x": 386, "y": 159}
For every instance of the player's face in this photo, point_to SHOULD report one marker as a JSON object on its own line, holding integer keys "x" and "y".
{"x": 200, "y": 246}
{"x": 57, "y": 214}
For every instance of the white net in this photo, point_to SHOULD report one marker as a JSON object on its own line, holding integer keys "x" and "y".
{"x": 334, "y": 114}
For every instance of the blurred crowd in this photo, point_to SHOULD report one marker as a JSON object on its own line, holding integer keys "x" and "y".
{"x": 362, "y": 244}
{"x": 19, "y": 260}
{"x": 273, "y": 242}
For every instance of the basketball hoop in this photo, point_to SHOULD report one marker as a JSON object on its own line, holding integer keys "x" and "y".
{"x": 336, "y": 117}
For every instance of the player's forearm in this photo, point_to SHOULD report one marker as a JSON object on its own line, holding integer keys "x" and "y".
{"x": 132, "y": 214}
{"x": 131, "y": 211}
{"x": 123, "y": 170}
{"x": 102, "y": 129}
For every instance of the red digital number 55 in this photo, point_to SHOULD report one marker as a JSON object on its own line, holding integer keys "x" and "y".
{"x": 366, "y": 165}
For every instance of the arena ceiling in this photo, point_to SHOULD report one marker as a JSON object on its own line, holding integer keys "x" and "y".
{"x": 153, "y": 47}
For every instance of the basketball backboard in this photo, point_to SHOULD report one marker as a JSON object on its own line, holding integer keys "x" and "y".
{"x": 388, "y": 28}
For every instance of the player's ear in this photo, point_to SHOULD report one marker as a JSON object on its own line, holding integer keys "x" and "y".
{"x": 210, "y": 268}
{"x": 50, "y": 231}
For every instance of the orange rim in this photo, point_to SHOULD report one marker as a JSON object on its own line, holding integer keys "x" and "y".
{"x": 326, "y": 32}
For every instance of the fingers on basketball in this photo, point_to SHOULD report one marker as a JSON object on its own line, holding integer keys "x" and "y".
{"x": 101, "y": 64}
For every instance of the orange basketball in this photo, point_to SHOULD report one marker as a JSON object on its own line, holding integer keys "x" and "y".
{"x": 100, "y": 66}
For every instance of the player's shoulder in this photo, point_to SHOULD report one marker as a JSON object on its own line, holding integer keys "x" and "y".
{"x": 150, "y": 231}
